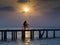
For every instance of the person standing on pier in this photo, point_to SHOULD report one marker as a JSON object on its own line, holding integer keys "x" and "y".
{"x": 25, "y": 25}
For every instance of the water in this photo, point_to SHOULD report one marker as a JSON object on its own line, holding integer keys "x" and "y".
{"x": 36, "y": 41}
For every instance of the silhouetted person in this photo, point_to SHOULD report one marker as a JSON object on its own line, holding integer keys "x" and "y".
{"x": 25, "y": 25}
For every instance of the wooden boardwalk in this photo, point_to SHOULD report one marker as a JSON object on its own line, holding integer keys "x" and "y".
{"x": 14, "y": 33}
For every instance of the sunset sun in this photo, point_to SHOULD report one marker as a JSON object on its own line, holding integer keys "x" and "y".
{"x": 26, "y": 9}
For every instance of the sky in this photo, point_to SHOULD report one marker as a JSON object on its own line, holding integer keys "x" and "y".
{"x": 43, "y": 13}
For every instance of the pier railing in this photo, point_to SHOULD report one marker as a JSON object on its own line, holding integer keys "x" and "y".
{"x": 41, "y": 33}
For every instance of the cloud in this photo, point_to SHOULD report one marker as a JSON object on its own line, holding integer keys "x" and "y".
{"x": 7, "y": 8}
{"x": 23, "y": 1}
{"x": 56, "y": 11}
{"x": 46, "y": 6}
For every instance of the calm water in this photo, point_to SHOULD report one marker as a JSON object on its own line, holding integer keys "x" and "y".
{"x": 27, "y": 41}
{"x": 34, "y": 42}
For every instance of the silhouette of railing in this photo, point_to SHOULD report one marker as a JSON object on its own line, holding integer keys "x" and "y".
{"x": 41, "y": 33}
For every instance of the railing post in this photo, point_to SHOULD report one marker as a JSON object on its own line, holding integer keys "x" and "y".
{"x": 5, "y": 35}
{"x": 46, "y": 33}
{"x": 1, "y": 35}
{"x": 39, "y": 34}
{"x": 53, "y": 33}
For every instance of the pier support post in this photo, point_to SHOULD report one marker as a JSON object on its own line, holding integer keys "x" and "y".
{"x": 12, "y": 35}
{"x": 16, "y": 35}
{"x": 31, "y": 35}
{"x": 46, "y": 34}
{"x": 2, "y": 36}
{"x": 39, "y": 34}
{"x": 23, "y": 35}
{"x": 54, "y": 34}
{"x": 5, "y": 35}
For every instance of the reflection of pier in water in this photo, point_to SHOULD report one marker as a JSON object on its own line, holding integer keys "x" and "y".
{"x": 30, "y": 34}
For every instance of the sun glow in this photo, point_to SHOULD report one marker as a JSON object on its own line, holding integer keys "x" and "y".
{"x": 26, "y": 9}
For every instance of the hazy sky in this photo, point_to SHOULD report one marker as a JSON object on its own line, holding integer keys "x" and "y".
{"x": 43, "y": 13}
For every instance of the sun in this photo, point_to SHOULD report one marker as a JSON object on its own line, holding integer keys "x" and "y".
{"x": 26, "y": 9}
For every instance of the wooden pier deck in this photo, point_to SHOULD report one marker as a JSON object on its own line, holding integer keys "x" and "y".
{"x": 14, "y": 33}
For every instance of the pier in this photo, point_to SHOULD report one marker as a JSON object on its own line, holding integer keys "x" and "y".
{"x": 41, "y": 32}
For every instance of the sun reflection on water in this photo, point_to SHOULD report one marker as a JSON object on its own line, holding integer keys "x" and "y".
{"x": 27, "y": 38}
